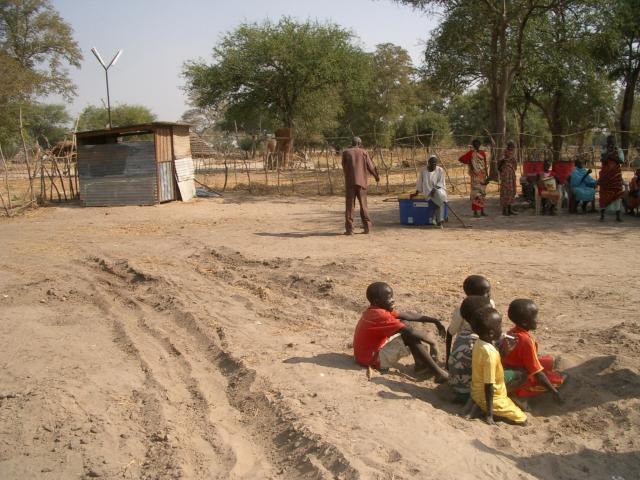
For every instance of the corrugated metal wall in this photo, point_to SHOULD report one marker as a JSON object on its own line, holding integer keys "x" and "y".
{"x": 184, "y": 169}
{"x": 164, "y": 156}
{"x": 163, "y": 145}
{"x": 118, "y": 174}
{"x": 185, "y": 174}
{"x": 167, "y": 182}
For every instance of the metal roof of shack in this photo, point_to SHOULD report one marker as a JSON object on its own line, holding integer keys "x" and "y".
{"x": 130, "y": 129}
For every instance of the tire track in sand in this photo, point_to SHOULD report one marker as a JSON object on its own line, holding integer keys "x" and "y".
{"x": 191, "y": 396}
{"x": 197, "y": 352}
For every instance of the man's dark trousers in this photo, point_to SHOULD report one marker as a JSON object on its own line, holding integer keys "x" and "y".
{"x": 353, "y": 192}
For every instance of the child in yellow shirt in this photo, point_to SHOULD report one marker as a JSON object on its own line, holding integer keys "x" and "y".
{"x": 488, "y": 389}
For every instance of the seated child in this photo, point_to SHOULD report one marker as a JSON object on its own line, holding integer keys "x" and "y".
{"x": 381, "y": 339}
{"x": 548, "y": 189}
{"x": 520, "y": 351}
{"x": 459, "y": 364}
{"x": 631, "y": 197}
{"x": 472, "y": 285}
{"x": 488, "y": 389}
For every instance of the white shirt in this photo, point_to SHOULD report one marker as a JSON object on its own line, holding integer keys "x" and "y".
{"x": 427, "y": 181}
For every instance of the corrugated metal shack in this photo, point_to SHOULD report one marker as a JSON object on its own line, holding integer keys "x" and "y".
{"x": 113, "y": 171}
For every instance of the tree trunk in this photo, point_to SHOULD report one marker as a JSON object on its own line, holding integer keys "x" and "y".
{"x": 556, "y": 126}
{"x": 500, "y": 86}
{"x": 557, "y": 140}
{"x": 522, "y": 118}
{"x": 627, "y": 110}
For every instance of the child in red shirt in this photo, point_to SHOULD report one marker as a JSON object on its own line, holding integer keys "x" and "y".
{"x": 520, "y": 351}
{"x": 381, "y": 339}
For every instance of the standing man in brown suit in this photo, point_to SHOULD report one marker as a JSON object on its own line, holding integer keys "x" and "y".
{"x": 356, "y": 165}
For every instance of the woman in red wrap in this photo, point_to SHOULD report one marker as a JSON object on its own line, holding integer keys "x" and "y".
{"x": 476, "y": 160}
{"x": 507, "y": 168}
{"x": 610, "y": 181}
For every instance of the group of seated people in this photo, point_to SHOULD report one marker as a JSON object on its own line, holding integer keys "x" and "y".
{"x": 552, "y": 188}
{"x": 580, "y": 187}
{"x": 488, "y": 371}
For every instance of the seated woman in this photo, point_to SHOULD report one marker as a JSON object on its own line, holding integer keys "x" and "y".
{"x": 583, "y": 186}
{"x": 432, "y": 185}
{"x": 548, "y": 189}
{"x": 631, "y": 198}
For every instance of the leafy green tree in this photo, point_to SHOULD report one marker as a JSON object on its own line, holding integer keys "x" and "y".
{"x": 47, "y": 123}
{"x": 36, "y": 44}
{"x": 481, "y": 40}
{"x": 427, "y": 126}
{"x": 392, "y": 93}
{"x": 560, "y": 77}
{"x": 296, "y": 74}
{"x": 617, "y": 46}
{"x": 528, "y": 120}
{"x": 97, "y": 118}
{"x": 202, "y": 120}
{"x": 468, "y": 115}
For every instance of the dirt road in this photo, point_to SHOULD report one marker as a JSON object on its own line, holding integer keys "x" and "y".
{"x": 213, "y": 340}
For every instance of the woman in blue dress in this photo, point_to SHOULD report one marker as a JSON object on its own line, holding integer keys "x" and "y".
{"x": 583, "y": 186}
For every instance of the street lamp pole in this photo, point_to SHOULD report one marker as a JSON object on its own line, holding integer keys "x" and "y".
{"x": 94, "y": 50}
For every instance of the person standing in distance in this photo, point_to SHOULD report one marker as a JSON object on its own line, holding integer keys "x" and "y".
{"x": 476, "y": 160}
{"x": 356, "y": 165}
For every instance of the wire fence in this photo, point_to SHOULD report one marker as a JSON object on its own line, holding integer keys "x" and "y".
{"x": 39, "y": 176}
{"x": 319, "y": 171}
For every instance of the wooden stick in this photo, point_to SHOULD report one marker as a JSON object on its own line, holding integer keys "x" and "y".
{"x": 315, "y": 172}
{"x": 278, "y": 171}
{"x": 68, "y": 173}
{"x": 6, "y": 182}
{"x": 329, "y": 176}
{"x": 248, "y": 174}
{"x": 53, "y": 185}
{"x": 43, "y": 188}
{"x": 26, "y": 156}
{"x": 226, "y": 174}
{"x": 64, "y": 190}
{"x": 386, "y": 169}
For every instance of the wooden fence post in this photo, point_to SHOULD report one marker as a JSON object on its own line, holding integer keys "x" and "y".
{"x": 6, "y": 183}
{"x": 26, "y": 157}
{"x": 329, "y": 176}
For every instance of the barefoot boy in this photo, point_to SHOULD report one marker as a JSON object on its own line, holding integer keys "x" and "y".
{"x": 381, "y": 339}
{"x": 488, "y": 389}
{"x": 520, "y": 351}
{"x": 459, "y": 364}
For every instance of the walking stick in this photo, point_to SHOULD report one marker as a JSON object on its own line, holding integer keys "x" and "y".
{"x": 459, "y": 219}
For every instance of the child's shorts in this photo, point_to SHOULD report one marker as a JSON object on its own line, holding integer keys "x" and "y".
{"x": 392, "y": 351}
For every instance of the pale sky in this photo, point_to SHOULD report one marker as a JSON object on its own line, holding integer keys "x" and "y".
{"x": 157, "y": 36}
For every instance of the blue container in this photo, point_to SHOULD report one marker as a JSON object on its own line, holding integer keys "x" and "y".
{"x": 418, "y": 211}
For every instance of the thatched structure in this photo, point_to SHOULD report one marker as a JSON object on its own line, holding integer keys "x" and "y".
{"x": 199, "y": 147}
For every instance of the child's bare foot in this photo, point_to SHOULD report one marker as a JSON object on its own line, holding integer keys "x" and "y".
{"x": 466, "y": 410}
{"x": 442, "y": 377}
{"x": 522, "y": 403}
{"x": 474, "y": 412}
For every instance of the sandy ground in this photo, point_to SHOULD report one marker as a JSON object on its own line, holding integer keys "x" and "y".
{"x": 213, "y": 340}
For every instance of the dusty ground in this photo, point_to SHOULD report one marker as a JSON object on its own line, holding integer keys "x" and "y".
{"x": 212, "y": 340}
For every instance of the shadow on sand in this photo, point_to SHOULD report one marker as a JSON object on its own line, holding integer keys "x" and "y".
{"x": 298, "y": 234}
{"x": 581, "y": 465}
{"x": 590, "y": 386}
{"x": 342, "y": 361}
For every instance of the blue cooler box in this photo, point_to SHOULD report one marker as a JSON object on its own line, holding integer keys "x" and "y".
{"x": 418, "y": 211}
